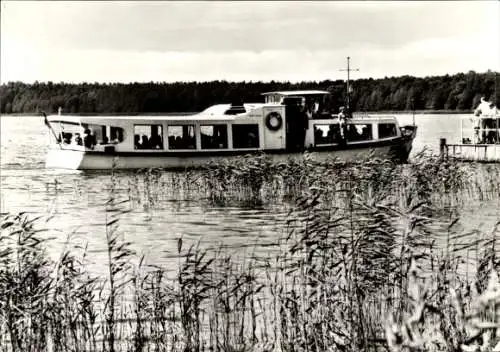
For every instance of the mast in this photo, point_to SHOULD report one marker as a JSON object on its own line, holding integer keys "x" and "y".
{"x": 349, "y": 69}
{"x": 495, "y": 116}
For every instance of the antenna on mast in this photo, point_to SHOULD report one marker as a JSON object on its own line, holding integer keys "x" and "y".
{"x": 349, "y": 69}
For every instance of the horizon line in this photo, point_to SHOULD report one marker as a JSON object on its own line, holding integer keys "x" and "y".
{"x": 245, "y": 81}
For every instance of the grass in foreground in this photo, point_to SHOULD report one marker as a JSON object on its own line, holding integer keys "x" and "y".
{"x": 372, "y": 260}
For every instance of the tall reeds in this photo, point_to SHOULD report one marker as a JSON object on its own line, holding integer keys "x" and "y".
{"x": 372, "y": 257}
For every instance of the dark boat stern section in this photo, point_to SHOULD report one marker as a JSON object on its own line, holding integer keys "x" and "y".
{"x": 402, "y": 151}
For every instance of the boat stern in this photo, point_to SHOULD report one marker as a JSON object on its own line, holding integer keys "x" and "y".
{"x": 408, "y": 134}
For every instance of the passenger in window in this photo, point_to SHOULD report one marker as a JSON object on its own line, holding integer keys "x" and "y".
{"x": 219, "y": 138}
{"x": 137, "y": 141}
{"x": 93, "y": 138}
{"x": 145, "y": 142}
{"x": 87, "y": 139}
{"x": 191, "y": 143}
{"x": 318, "y": 135}
{"x": 177, "y": 142}
{"x": 78, "y": 139}
{"x": 252, "y": 140}
{"x": 159, "y": 142}
{"x": 156, "y": 142}
{"x": 104, "y": 140}
{"x": 365, "y": 134}
{"x": 331, "y": 135}
{"x": 67, "y": 137}
{"x": 352, "y": 133}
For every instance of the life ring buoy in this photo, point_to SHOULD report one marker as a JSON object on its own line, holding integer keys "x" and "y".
{"x": 274, "y": 121}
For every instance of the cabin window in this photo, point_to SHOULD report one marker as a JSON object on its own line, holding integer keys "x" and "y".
{"x": 147, "y": 136}
{"x": 213, "y": 136}
{"x": 245, "y": 136}
{"x": 92, "y": 135}
{"x": 88, "y": 135}
{"x": 107, "y": 134}
{"x": 359, "y": 132}
{"x": 95, "y": 133}
{"x": 387, "y": 130}
{"x": 181, "y": 137}
{"x": 116, "y": 134}
{"x": 326, "y": 134}
{"x": 68, "y": 132}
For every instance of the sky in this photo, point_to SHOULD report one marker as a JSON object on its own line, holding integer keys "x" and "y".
{"x": 167, "y": 41}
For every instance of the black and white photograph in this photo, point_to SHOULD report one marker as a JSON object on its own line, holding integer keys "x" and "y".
{"x": 240, "y": 176}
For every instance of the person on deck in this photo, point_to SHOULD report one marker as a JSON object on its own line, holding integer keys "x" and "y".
{"x": 316, "y": 108}
{"x": 302, "y": 131}
{"x": 342, "y": 124}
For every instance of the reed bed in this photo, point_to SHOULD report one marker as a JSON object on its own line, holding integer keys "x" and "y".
{"x": 372, "y": 259}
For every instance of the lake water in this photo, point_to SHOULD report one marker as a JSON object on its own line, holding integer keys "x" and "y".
{"x": 75, "y": 200}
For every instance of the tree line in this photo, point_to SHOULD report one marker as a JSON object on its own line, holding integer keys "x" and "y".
{"x": 458, "y": 92}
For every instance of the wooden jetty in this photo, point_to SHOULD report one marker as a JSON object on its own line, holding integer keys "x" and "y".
{"x": 470, "y": 152}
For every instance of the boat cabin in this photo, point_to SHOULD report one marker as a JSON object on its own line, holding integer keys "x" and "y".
{"x": 279, "y": 97}
{"x": 281, "y": 123}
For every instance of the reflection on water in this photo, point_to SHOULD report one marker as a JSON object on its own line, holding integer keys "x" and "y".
{"x": 75, "y": 201}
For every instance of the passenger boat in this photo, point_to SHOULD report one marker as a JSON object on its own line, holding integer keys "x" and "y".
{"x": 479, "y": 136}
{"x": 281, "y": 126}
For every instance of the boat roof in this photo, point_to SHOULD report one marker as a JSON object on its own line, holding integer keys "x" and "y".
{"x": 212, "y": 113}
{"x": 219, "y": 109}
{"x": 198, "y": 118}
{"x": 297, "y": 92}
{"x": 159, "y": 118}
{"x": 481, "y": 117}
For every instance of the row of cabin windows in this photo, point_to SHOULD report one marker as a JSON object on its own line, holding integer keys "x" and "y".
{"x": 183, "y": 137}
{"x": 331, "y": 134}
{"x": 88, "y": 135}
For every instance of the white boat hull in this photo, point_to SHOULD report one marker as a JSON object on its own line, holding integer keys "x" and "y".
{"x": 82, "y": 160}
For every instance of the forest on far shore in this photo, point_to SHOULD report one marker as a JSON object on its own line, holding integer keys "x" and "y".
{"x": 459, "y": 92}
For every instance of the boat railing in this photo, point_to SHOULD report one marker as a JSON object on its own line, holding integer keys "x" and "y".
{"x": 376, "y": 117}
{"x": 480, "y": 117}
{"x": 483, "y": 129}
{"x": 480, "y": 135}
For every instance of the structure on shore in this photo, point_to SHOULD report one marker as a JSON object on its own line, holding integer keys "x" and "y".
{"x": 479, "y": 136}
